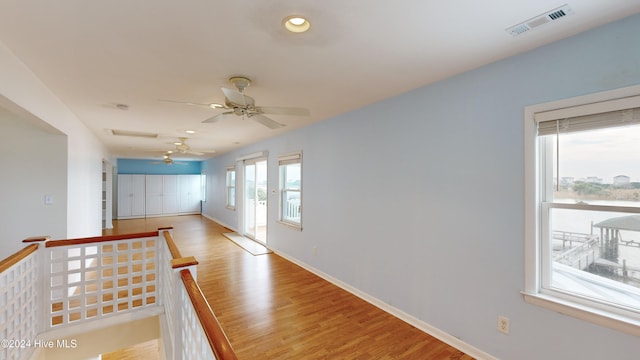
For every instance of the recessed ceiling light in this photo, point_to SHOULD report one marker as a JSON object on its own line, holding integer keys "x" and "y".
{"x": 296, "y": 23}
{"x": 215, "y": 106}
{"x": 190, "y": 131}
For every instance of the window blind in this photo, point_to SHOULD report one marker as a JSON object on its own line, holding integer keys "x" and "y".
{"x": 590, "y": 122}
{"x": 289, "y": 159}
{"x": 256, "y": 155}
{"x": 614, "y": 113}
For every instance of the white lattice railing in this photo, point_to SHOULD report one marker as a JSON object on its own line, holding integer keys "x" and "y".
{"x": 18, "y": 303}
{"x": 97, "y": 279}
{"x": 191, "y": 332}
{"x": 168, "y": 283}
{"x": 79, "y": 281}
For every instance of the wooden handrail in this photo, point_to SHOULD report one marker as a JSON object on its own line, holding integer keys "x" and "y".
{"x": 36, "y": 239}
{"x": 216, "y": 336}
{"x": 19, "y": 255}
{"x": 79, "y": 241}
{"x": 183, "y": 262}
{"x": 173, "y": 249}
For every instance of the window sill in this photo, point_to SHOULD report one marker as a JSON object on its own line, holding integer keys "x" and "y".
{"x": 290, "y": 225}
{"x": 600, "y": 317}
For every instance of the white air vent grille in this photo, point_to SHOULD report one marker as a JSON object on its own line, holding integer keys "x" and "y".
{"x": 541, "y": 19}
{"x": 557, "y": 14}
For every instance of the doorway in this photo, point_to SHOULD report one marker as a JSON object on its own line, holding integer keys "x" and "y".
{"x": 255, "y": 200}
{"x": 107, "y": 195}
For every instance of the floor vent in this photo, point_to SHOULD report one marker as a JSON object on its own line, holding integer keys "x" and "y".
{"x": 541, "y": 19}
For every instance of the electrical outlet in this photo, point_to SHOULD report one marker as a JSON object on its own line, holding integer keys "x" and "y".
{"x": 503, "y": 325}
{"x": 315, "y": 251}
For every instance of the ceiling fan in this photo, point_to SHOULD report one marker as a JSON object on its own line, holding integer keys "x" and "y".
{"x": 166, "y": 159}
{"x": 183, "y": 148}
{"x": 240, "y": 104}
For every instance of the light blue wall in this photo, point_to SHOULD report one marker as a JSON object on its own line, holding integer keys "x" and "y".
{"x": 418, "y": 200}
{"x": 34, "y": 164}
{"x": 156, "y": 167}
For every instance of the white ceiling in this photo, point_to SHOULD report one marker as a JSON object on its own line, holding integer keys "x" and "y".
{"x": 96, "y": 54}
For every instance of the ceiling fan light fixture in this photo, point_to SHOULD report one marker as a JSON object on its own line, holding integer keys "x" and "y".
{"x": 296, "y": 23}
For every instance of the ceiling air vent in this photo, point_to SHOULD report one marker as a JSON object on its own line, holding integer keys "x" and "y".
{"x": 541, "y": 19}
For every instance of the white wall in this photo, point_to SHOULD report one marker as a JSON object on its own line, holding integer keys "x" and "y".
{"x": 34, "y": 164}
{"x": 418, "y": 200}
{"x": 22, "y": 90}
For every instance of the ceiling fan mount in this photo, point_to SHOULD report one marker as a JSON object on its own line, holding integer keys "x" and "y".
{"x": 240, "y": 82}
{"x": 239, "y": 104}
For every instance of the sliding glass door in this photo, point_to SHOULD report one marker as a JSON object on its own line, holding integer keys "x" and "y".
{"x": 255, "y": 199}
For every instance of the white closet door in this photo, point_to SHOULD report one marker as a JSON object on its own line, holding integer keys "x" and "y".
{"x": 125, "y": 196}
{"x": 131, "y": 196}
{"x": 190, "y": 193}
{"x": 138, "y": 199}
{"x": 170, "y": 194}
{"x": 154, "y": 194}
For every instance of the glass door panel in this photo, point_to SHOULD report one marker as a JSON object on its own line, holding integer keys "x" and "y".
{"x": 250, "y": 200}
{"x": 261, "y": 201}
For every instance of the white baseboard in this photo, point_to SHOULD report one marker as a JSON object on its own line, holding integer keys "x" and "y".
{"x": 220, "y": 222}
{"x": 411, "y": 320}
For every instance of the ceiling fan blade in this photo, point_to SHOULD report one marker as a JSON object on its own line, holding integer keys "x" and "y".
{"x": 271, "y": 124}
{"x": 194, "y": 152}
{"x": 218, "y": 117}
{"x": 238, "y": 98}
{"x": 276, "y": 110}
{"x": 184, "y": 102}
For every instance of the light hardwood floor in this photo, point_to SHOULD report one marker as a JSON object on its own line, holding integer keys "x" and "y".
{"x": 271, "y": 308}
{"x": 145, "y": 351}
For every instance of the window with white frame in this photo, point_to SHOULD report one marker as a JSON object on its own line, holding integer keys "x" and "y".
{"x": 583, "y": 207}
{"x": 290, "y": 172}
{"x": 231, "y": 187}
